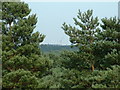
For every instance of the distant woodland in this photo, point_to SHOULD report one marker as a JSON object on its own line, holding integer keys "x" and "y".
{"x": 53, "y": 47}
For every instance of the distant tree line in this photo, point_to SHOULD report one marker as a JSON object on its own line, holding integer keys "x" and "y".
{"x": 53, "y": 47}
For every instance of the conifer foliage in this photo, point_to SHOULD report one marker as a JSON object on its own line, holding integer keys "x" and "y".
{"x": 96, "y": 46}
{"x": 25, "y": 66}
{"x": 22, "y": 61}
{"x": 99, "y": 47}
{"x": 84, "y": 36}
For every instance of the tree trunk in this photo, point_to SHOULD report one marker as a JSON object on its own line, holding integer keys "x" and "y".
{"x": 92, "y": 67}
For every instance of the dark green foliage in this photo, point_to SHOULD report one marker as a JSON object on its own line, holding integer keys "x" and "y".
{"x": 76, "y": 60}
{"x": 25, "y": 66}
{"x": 93, "y": 42}
{"x": 107, "y": 78}
{"x": 83, "y": 36}
{"x": 23, "y": 63}
{"x": 66, "y": 78}
{"x": 20, "y": 79}
{"x": 98, "y": 47}
{"x": 107, "y": 47}
{"x": 46, "y": 48}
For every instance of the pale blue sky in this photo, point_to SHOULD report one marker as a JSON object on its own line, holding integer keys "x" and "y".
{"x": 51, "y": 16}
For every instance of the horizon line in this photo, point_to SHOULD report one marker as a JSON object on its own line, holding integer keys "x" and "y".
{"x": 53, "y": 44}
{"x": 70, "y": 0}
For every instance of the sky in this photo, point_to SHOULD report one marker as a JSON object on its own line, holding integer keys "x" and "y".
{"x": 51, "y": 16}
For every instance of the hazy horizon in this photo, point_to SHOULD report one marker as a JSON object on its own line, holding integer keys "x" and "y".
{"x": 51, "y": 16}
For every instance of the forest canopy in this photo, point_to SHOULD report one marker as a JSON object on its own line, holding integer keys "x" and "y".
{"x": 95, "y": 64}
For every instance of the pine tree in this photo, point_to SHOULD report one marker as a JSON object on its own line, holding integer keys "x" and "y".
{"x": 83, "y": 36}
{"x": 108, "y": 45}
{"x": 23, "y": 63}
